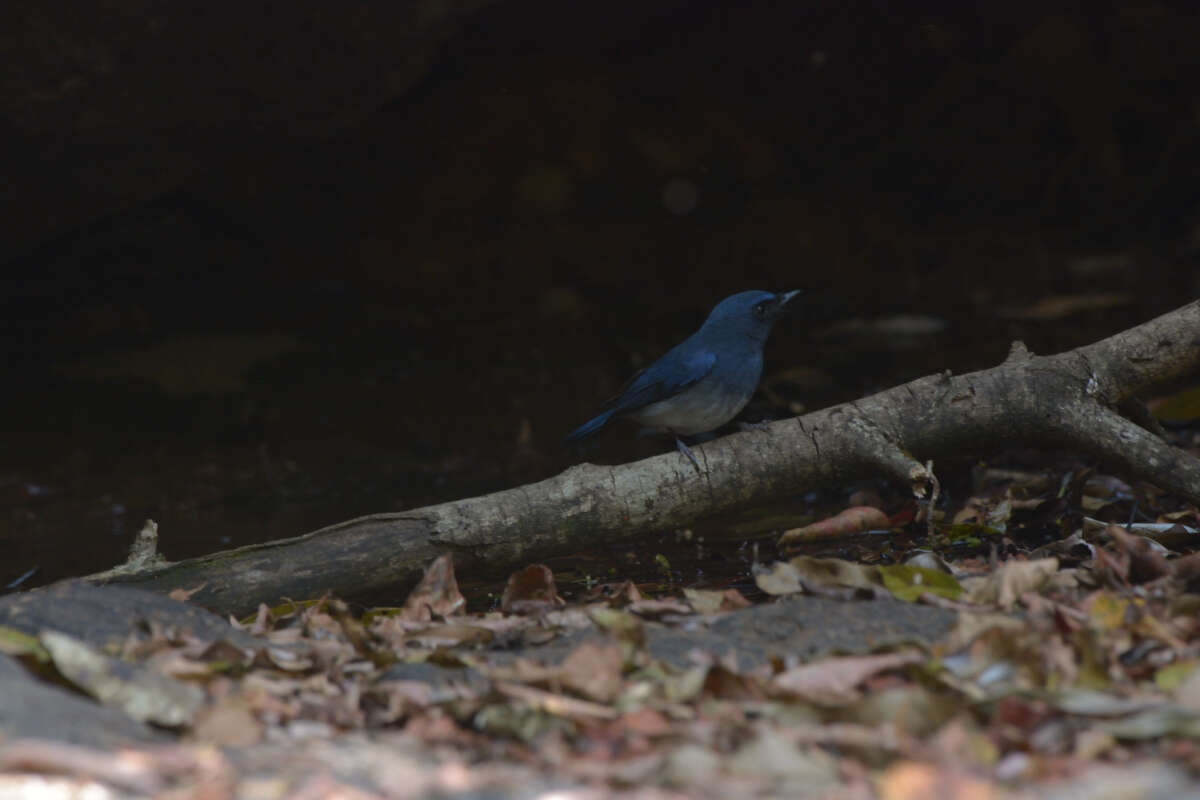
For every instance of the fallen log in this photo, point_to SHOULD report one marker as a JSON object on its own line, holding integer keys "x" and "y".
{"x": 1065, "y": 401}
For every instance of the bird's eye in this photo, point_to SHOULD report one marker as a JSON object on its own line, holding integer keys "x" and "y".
{"x": 760, "y": 310}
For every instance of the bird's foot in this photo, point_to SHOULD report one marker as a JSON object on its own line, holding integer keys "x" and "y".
{"x": 753, "y": 426}
{"x": 687, "y": 451}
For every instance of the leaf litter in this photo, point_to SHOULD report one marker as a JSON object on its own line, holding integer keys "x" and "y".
{"x": 1074, "y": 656}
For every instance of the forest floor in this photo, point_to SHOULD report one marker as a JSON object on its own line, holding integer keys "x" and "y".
{"x": 1038, "y": 637}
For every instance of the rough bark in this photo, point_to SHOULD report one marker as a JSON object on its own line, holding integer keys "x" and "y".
{"x": 1061, "y": 401}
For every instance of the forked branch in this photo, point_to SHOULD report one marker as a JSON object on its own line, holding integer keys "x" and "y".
{"x": 1061, "y": 401}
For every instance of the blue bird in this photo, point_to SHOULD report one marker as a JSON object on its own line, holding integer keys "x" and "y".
{"x": 705, "y": 380}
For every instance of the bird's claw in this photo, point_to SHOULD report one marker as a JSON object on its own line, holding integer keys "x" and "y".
{"x": 687, "y": 451}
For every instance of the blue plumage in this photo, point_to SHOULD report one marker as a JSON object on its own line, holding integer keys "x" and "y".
{"x": 704, "y": 381}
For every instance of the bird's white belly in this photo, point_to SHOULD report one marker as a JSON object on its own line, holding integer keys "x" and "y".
{"x": 696, "y": 410}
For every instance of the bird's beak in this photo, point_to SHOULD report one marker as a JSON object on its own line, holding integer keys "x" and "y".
{"x": 781, "y": 302}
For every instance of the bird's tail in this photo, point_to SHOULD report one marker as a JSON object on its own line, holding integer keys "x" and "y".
{"x": 591, "y": 427}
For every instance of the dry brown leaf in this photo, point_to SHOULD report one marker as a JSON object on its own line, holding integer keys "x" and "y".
{"x": 652, "y": 608}
{"x": 847, "y": 523}
{"x": 436, "y": 595}
{"x": 230, "y": 723}
{"x": 1187, "y": 571}
{"x": 774, "y": 756}
{"x": 594, "y": 669}
{"x": 1092, "y": 743}
{"x": 262, "y": 620}
{"x": 1112, "y": 566}
{"x": 1146, "y": 563}
{"x": 830, "y": 572}
{"x": 451, "y": 636}
{"x": 1188, "y": 515}
{"x": 645, "y": 722}
{"x": 523, "y": 670}
{"x": 616, "y": 594}
{"x": 971, "y": 624}
{"x": 556, "y": 704}
{"x": 961, "y": 741}
{"x": 326, "y": 786}
{"x": 405, "y": 698}
{"x": 909, "y": 780}
{"x": 183, "y": 595}
{"x": 691, "y": 765}
{"x": 970, "y": 513}
{"x": 781, "y": 578}
{"x": 834, "y": 681}
{"x": 570, "y": 618}
{"x": 530, "y": 589}
{"x": 288, "y": 659}
{"x": 1071, "y": 550}
{"x": 708, "y": 601}
{"x": 175, "y": 664}
{"x": 225, "y": 651}
{"x": 726, "y": 684}
{"x": 1010, "y": 580}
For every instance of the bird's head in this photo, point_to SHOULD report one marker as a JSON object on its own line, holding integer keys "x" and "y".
{"x": 749, "y": 314}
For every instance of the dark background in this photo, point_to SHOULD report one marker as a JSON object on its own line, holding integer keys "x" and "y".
{"x": 273, "y": 266}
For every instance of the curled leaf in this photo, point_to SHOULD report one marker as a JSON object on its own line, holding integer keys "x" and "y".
{"x": 848, "y": 522}
{"x": 436, "y": 595}
{"x": 530, "y": 589}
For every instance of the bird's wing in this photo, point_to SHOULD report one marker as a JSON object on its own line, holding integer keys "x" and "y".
{"x": 665, "y": 378}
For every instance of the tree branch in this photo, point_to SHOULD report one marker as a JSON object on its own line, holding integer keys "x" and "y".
{"x": 1059, "y": 401}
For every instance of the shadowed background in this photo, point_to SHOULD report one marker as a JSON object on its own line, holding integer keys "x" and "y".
{"x": 272, "y": 267}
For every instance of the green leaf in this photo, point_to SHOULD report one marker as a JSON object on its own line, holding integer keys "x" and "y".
{"x": 1181, "y": 407}
{"x": 1171, "y": 676}
{"x": 15, "y": 643}
{"x": 908, "y": 583}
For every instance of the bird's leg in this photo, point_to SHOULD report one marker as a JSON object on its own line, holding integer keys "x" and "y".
{"x": 687, "y": 451}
